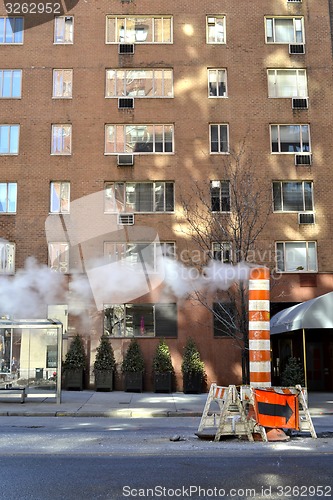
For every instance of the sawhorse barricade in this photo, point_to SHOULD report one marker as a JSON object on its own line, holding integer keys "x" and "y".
{"x": 301, "y": 415}
{"x": 244, "y": 412}
{"x": 230, "y": 419}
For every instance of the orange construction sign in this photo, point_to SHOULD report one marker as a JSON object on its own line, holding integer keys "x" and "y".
{"x": 276, "y": 410}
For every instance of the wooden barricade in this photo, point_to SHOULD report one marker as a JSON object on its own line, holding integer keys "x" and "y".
{"x": 217, "y": 394}
{"x": 290, "y": 407}
{"x": 251, "y": 410}
{"x": 230, "y": 418}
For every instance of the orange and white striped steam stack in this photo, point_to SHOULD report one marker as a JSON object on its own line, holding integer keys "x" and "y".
{"x": 259, "y": 328}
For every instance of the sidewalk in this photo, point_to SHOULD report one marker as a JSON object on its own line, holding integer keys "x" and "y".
{"x": 131, "y": 405}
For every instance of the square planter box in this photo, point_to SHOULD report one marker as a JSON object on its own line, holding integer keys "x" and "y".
{"x": 133, "y": 382}
{"x": 104, "y": 380}
{"x": 74, "y": 380}
{"x": 163, "y": 382}
{"x": 192, "y": 383}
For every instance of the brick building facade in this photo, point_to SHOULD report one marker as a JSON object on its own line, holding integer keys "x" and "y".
{"x": 142, "y": 102}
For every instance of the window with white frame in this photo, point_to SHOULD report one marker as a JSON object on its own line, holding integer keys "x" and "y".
{"x": 215, "y": 29}
{"x": 220, "y": 196}
{"x": 62, "y": 83}
{"x": 222, "y": 252}
{"x": 59, "y": 197}
{"x": 7, "y": 257}
{"x": 61, "y": 143}
{"x": 8, "y": 197}
{"x": 11, "y": 30}
{"x": 9, "y": 139}
{"x": 296, "y": 256}
{"x": 139, "y": 83}
{"x": 139, "y": 252}
{"x": 217, "y": 83}
{"x": 284, "y": 29}
{"x": 156, "y": 196}
{"x": 140, "y": 320}
{"x": 219, "y": 138}
{"x": 290, "y": 139}
{"x": 10, "y": 83}
{"x": 293, "y": 196}
{"x": 139, "y": 29}
{"x": 287, "y": 83}
{"x": 139, "y": 139}
{"x": 59, "y": 257}
{"x": 64, "y": 29}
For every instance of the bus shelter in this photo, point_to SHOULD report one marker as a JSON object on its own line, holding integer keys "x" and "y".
{"x": 31, "y": 355}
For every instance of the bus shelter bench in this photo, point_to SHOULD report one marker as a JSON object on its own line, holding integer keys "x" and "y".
{"x": 9, "y": 391}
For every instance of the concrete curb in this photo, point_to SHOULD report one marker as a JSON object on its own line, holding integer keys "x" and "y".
{"x": 105, "y": 414}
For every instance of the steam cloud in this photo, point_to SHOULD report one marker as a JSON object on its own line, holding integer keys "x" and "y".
{"x": 27, "y": 294}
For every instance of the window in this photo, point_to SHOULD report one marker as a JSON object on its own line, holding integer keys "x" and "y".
{"x": 59, "y": 197}
{"x": 290, "y": 139}
{"x": 217, "y": 83}
{"x": 61, "y": 140}
{"x": 284, "y": 30}
{"x": 62, "y": 83}
{"x": 11, "y": 30}
{"x": 138, "y": 29}
{"x": 139, "y": 197}
{"x": 9, "y": 139}
{"x": 293, "y": 196}
{"x": 51, "y": 356}
{"x": 222, "y": 252}
{"x": 219, "y": 140}
{"x": 59, "y": 257}
{"x": 140, "y": 320}
{"x": 139, "y": 83}
{"x": 295, "y": 256}
{"x": 215, "y": 29}
{"x": 10, "y": 83}
{"x": 7, "y": 257}
{"x": 8, "y": 197}
{"x": 287, "y": 83}
{"x": 63, "y": 29}
{"x": 220, "y": 196}
{"x": 138, "y": 139}
{"x": 139, "y": 252}
{"x": 224, "y": 314}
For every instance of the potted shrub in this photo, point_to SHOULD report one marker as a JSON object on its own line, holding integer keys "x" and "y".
{"x": 75, "y": 364}
{"x": 293, "y": 374}
{"x": 104, "y": 365}
{"x": 163, "y": 371}
{"x": 133, "y": 367}
{"x": 193, "y": 369}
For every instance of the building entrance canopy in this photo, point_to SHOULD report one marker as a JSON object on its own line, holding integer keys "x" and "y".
{"x": 30, "y": 352}
{"x": 313, "y": 314}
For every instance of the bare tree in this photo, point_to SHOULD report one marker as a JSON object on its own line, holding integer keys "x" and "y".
{"x": 224, "y": 217}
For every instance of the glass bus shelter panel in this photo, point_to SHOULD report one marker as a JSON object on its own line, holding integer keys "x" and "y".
{"x": 30, "y": 359}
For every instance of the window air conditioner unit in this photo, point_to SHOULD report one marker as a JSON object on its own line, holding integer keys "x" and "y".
{"x": 303, "y": 159}
{"x": 296, "y": 48}
{"x": 306, "y": 218}
{"x": 300, "y": 103}
{"x": 126, "y": 48}
{"x": 211, "y": 21}
{"x": 125, "y": 103}
{"x": 125, "y": 160}
{"x": 125, "y": 219}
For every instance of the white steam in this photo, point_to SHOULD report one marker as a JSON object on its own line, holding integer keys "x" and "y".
{"x": 182, "y": 281}
{"x": 26, "y": 294}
